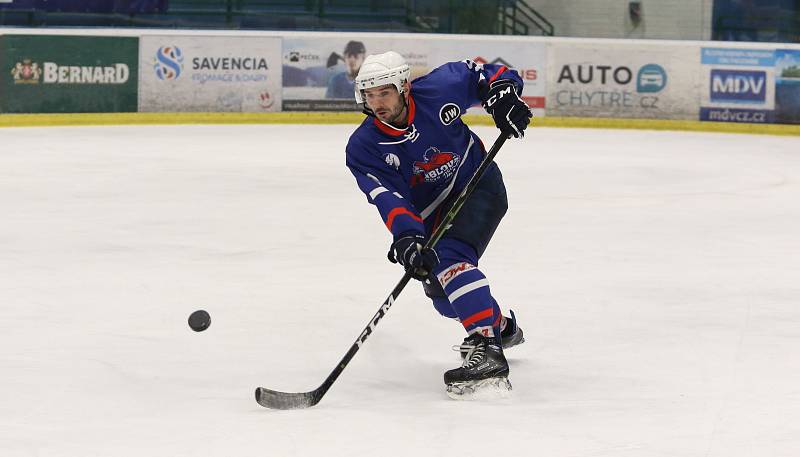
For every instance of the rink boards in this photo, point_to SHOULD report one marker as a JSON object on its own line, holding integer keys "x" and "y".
{"x": 68, "y": 71}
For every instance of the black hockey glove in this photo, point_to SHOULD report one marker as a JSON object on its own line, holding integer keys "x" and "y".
{"x": 407, "y": 251}
{"x": 510, "y": 113}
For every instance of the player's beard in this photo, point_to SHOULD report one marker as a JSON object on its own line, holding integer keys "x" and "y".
{"x": 397, "y": 116}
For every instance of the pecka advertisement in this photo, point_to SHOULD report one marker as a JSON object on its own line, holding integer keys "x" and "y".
{"x": 657, "y": 81}
{"x": 209, "y": 74}
{"x": 319, "y": 71}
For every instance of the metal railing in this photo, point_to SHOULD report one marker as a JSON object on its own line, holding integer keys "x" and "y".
{"x": 516, "y": 17}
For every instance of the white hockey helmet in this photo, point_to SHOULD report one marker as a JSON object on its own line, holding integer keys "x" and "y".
{"x": 380, "y": 70}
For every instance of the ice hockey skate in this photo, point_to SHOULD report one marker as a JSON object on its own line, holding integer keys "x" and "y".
{"x": 483, "y": 374}
{"x": 510, "y": 336}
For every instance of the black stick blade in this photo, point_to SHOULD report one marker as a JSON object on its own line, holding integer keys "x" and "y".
{"x": 284, "y": 400}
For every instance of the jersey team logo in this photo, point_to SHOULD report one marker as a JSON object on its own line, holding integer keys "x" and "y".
{"x": 435, "y": 165}
{"x": 449, "y": 112}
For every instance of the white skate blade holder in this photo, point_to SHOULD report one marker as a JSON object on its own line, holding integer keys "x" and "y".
{"x": 483, "y": 390}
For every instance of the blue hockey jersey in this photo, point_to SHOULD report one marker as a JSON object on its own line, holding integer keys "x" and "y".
{"x": 408, "y": 173}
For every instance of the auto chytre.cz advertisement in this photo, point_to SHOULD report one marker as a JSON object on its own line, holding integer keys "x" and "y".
{"x": 624, "y": 80}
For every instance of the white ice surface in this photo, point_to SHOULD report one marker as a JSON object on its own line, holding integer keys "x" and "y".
{"x": 656, "y": 276}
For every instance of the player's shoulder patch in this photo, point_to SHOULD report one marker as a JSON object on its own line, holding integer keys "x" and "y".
{"x": 392, "y": 160}
{"x": 449, "y": 112}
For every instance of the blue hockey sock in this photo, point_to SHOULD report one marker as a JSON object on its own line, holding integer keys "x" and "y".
{"x": 467, "y": 289}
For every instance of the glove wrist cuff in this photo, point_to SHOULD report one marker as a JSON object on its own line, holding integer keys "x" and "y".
{"x": 409, "y": 234}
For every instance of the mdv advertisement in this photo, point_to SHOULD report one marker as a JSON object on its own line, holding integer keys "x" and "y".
{"x": 625, "y": 80}
{"x": 738, "y": 85}
{"x": 209, "y": 74}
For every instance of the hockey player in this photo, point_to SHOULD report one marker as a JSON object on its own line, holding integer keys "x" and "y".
{"x": 412, "y": 156}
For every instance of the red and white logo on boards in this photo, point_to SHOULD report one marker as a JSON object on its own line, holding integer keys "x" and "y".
{"x": 265, "y": 100}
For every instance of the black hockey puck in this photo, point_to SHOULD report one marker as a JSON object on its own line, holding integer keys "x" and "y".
{"x": 199, "y": 320}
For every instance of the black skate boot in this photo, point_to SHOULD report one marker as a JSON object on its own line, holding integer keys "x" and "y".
{"x": 510, "y": 336}
{"x": 483, "y": 373}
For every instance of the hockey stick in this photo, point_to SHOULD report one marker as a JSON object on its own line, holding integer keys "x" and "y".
{"x": 269, "y": 398}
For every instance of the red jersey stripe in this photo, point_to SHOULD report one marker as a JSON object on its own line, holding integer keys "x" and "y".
{"x": 499, "y": 72}
{"x": 398, "y": 212}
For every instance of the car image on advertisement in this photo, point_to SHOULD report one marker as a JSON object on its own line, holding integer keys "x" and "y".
{"x": 652, "y": 79}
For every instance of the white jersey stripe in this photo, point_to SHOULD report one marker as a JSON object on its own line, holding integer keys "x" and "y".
{"x": 432, "y": 207}
{"x": 467, "y": 289}
{"x": 377, "y": 191}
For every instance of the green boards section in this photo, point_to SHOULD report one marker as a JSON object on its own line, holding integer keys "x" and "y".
{"x": 68, "y": 74}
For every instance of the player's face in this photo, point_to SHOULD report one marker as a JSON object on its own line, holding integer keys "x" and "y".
{"x": 386, "y": 103}
{"x": 354, "y": 62}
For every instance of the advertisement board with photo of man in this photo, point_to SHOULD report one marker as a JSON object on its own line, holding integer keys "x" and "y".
{"x": 318, "y": 72}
